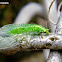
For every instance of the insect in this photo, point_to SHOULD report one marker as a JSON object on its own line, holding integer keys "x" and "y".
{"x": 25, "y": 28}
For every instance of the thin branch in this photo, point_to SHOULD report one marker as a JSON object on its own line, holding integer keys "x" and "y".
{"x": 54, "y": 57}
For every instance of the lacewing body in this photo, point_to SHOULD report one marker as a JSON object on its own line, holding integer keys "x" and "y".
{"x": 25, "y": 28}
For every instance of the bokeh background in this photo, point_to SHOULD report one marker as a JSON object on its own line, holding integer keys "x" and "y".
{"x": 9, "y": 12}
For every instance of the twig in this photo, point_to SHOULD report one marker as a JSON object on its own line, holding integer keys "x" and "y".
{"x": 54, "y": 57}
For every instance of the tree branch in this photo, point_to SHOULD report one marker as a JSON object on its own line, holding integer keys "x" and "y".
{"x": 29, "y": 42}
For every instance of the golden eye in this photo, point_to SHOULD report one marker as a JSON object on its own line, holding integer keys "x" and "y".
{"x": 44, "y": 32}
{"x": 41, "y": 32}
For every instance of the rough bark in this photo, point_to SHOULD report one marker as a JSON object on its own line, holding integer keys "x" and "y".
{"x": 28, "y": 42}
{"x": 54, "y": 57}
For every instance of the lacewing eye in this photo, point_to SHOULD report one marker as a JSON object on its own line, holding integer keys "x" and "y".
{"x": 41, "y": 32}
{"x": 44, "y": 32}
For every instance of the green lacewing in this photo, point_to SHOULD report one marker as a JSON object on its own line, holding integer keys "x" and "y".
{"x": 25, "y": 28}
